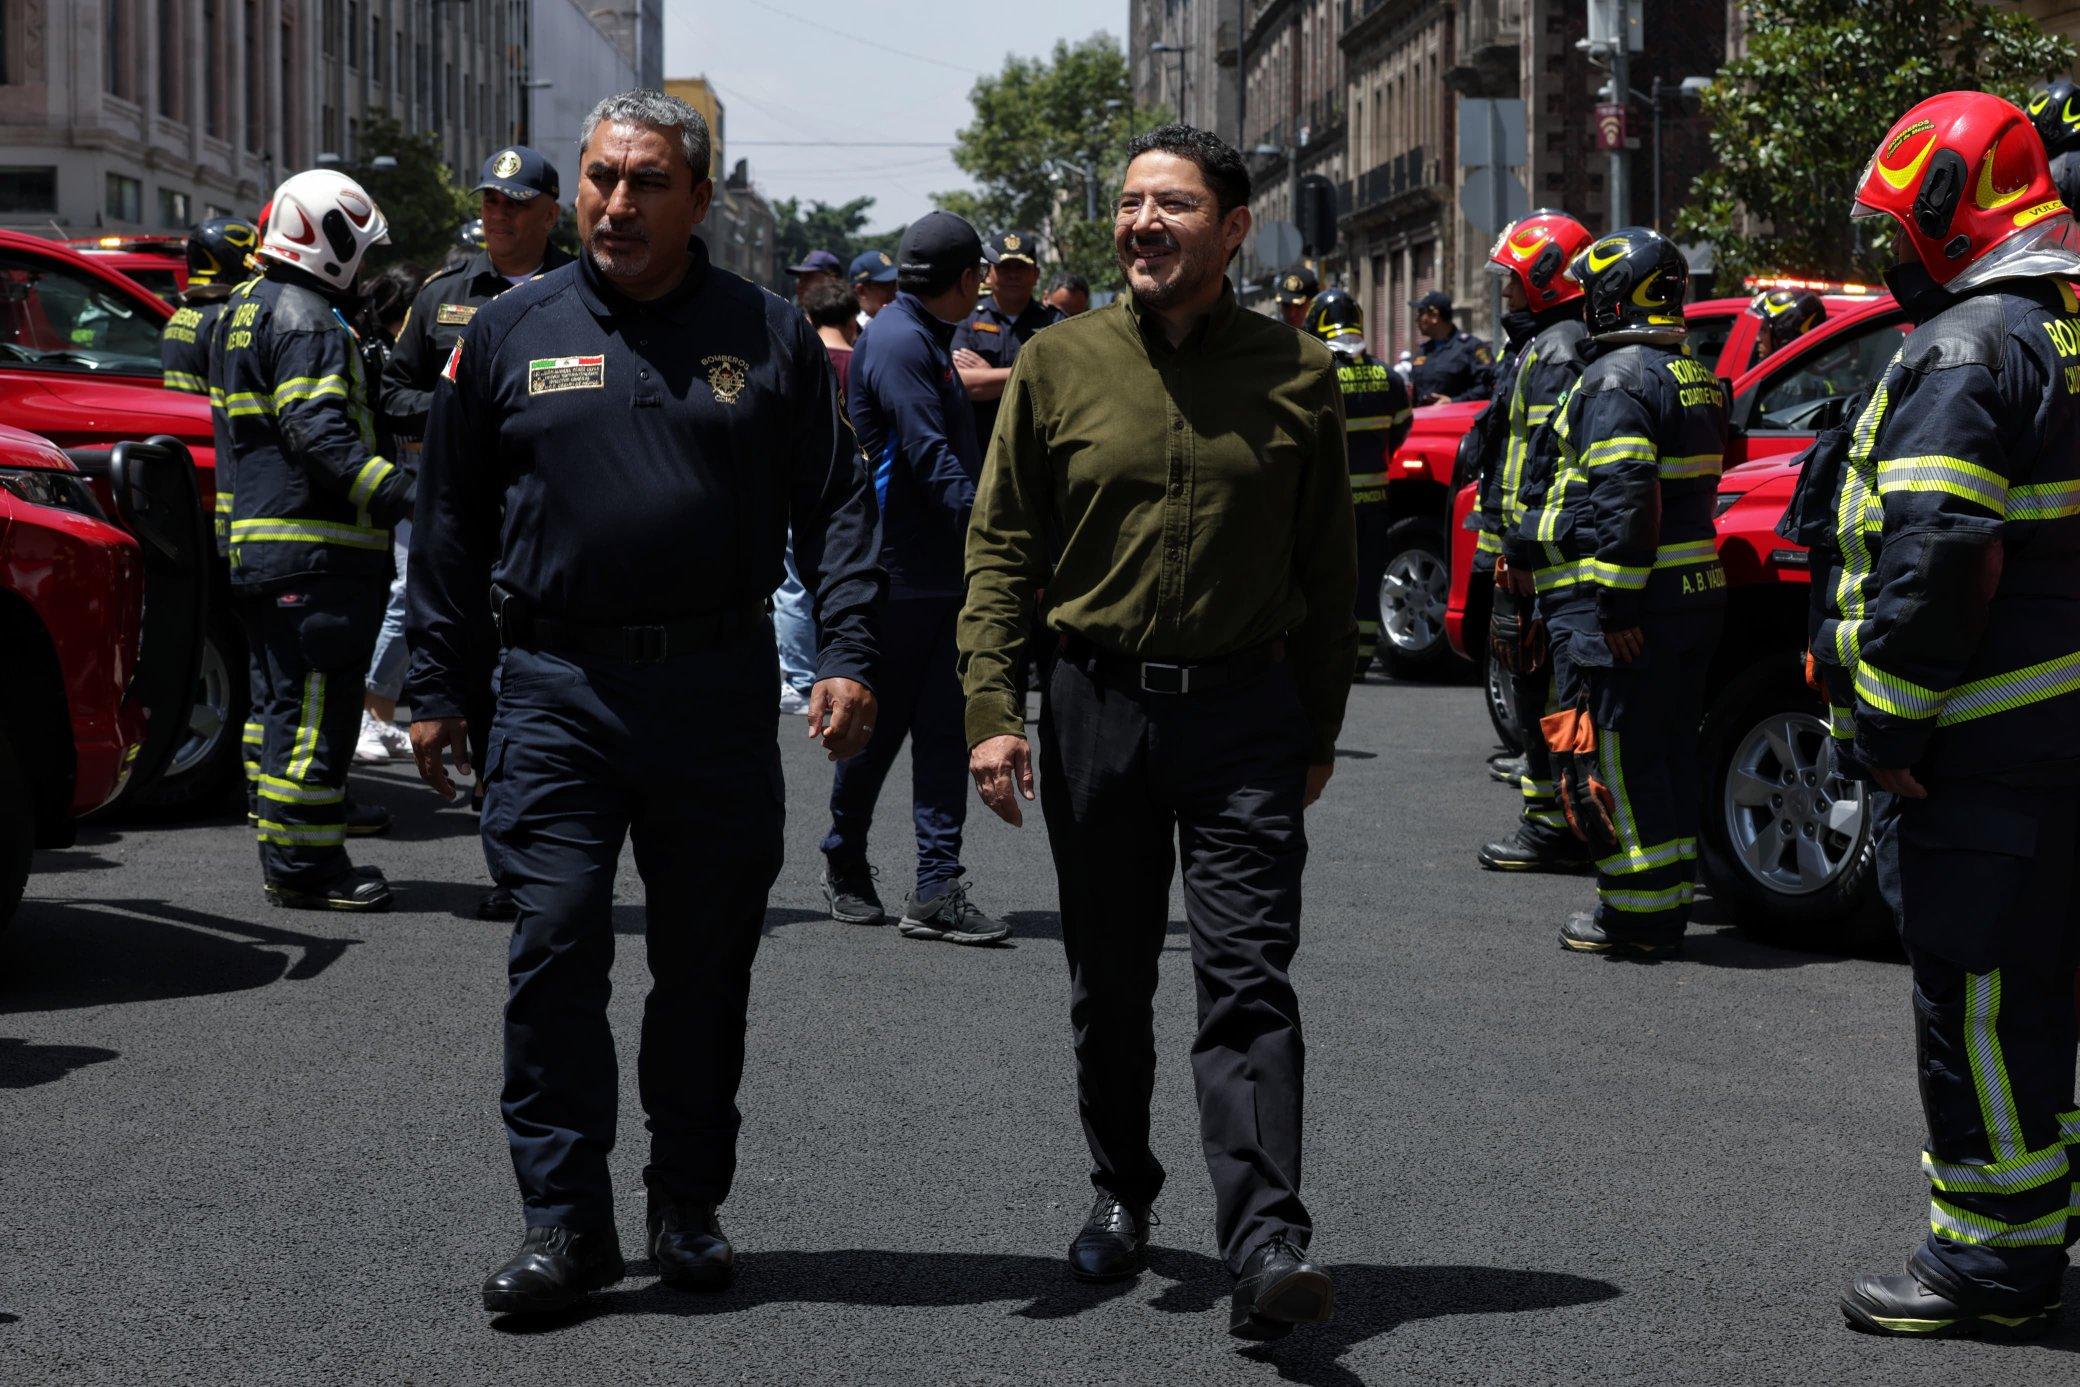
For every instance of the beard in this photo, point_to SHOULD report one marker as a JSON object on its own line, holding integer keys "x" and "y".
{"x": 619, "y": 262}
{"x": 1181, "y": 275}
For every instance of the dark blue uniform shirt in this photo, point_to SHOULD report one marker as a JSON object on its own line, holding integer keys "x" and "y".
{"x": 918, "y": 433}
{"x": 624, "y": 463}
{"x": 1458, "y": 367}
{"x": 996, "y": 336}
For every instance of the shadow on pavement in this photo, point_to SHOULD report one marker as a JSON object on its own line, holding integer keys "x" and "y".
{"x": 58, "y": 861}
{"x": 1047, "y": 924}
{"x": 1370, "y": 1300}
{"x": 25, "y": 1064}
{"x": 81, "y": 953}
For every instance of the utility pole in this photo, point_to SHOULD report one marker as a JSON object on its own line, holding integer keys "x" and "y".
{"x": 1622, "y": 94}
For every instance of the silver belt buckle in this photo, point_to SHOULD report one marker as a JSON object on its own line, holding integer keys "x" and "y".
{"x": 1184, "y": 677}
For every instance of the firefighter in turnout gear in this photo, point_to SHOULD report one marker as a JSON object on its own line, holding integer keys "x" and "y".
{"x": 1544, "y": 357}
{"x": 1956, "y": 619}
{"x": 1618, "y": 528}
{"x": 217, "y": 251}
{"x": 2054, "y": 109}
{"x": 310, "y": 526}
{"x": 1376, "y": 416}
{"x": 1787, "y": 315}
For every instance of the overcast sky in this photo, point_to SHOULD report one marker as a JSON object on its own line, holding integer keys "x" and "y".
{"x": 785, "y": 72}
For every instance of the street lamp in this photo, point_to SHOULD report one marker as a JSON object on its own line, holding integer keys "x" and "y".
{"x": 1183, "y": 92}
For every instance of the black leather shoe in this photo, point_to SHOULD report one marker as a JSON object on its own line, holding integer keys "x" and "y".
{"x": 689, "y": 1248}
{"x": 497, "y": 904}
{"x": 1516, "y": 853}
{"x": 1507, "y": 770}
{"x": 1581, "y": 934}
{"x": 1113, "y": 1242}
{"x": 358, "y": 888}
{"x": 554, "y": 1269}
{"x": 367, "y": 820}
{"x": 1902, "y": 1307}
{"x": 1278, "y": 1289}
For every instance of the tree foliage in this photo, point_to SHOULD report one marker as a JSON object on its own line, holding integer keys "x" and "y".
{"x": 1794, "y": 121}
{"x": 420, "y": 198}
{"x": 1039, "y": 125}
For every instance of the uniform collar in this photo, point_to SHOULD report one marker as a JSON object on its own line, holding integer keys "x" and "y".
{"x": 606, "y": 301}
{"x": 1033, "y": 309}
{"x": 941, "y": 330}
{"x": 1207, "y": 332}
{"x": 479, "y": 266}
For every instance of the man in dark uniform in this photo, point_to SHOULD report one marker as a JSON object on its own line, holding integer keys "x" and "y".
{"x": 616, "y": 454}
{"x": 988, "y": 339}
{"x": 1376, "y": 416}
{"x": 312, "y": 506}
{"x": 1296, "y": 290}
{"x": 1451, "y": 365}
{"x": 816, "y": 267}
{"x": 1171, "y": 471}
{"x": 517, "y": 195}
{"x": 1617, "y": 531}
{"x": 1956, "y": 621}
{"x": 873, "y": 275}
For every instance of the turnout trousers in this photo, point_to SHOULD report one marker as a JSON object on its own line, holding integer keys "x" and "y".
{"x": 1128, "y": 783}
{"x": 1542, "y": 822}
{"x": 919, "y": 696}
{"x": 679, "y": 755}
{"x": 311, "y": 643}
{"x": 1646, "y": 715}
{"x": 1374, "y": 521}
{"x": 1980, "y": 876}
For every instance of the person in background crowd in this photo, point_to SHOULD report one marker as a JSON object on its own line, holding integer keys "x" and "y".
{"x": 1787, "y": 315}
{"x": 1296, "y": 290}
{"x": 1452, "y": 365}
{"x": 1069, "y": 295}
{"x": 2054, "y": 109}
{"x": 834, "y": 313}
{"x": 987, "y": 341}
{"x": 817, "y": 267}
{"x": 873, "y": 276}
{"x": 218, "y": 252}
{"x": 385, "y": 305}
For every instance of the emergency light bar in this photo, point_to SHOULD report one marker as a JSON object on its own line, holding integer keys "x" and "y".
{"x": 1764, "y": 283}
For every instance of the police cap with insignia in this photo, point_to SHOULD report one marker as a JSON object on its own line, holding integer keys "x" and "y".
{"x": 520, "y": 173}
{"x": 1436, "y": 299}
{"x": 872, "y": 267}
{"x": 1012, "y": 245}
{"x": 1298, "y": 285}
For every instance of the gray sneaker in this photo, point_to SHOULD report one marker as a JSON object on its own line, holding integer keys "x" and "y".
{"x": 852, "y": 897}
{"x": 950, "y": 916}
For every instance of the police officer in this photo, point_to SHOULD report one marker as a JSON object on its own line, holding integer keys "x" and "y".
{"x": 873, "y": 275}
{"x": 815, "y": 267}
{"x": 1296, "y": 290}
{"x": 1544, "y": 357}
{"x": 1957, "y": 619}
{"x": 1787, "y": 315}
{"x": 1451, "y": 365}
{"x": 1376, "y": 416}
{"x": 217, "y": 251}
{"x": 988, "y": 339}
{"x": 617, "y": 451}
{"x": 1618, "y": 529}
{"x": 2054, "y": 109}
{"x": 312, "y": 508}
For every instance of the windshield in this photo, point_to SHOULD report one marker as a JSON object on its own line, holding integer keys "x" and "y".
{"x": 55, "y": 317}
{"x": 1707, "y": 334}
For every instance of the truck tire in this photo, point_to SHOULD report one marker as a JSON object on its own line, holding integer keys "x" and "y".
{"x": 1412, "y": 599}
{"x": 206, "y": 771}
{"x": 1501, "y": 698}
{"x": 1787, "y": 843}
{"x": 17, "y": 832}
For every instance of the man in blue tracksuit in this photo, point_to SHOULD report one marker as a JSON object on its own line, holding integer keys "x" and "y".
{"x": 917, "y": 429}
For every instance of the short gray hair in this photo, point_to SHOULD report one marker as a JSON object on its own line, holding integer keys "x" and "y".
{"x": 654, "y": 108}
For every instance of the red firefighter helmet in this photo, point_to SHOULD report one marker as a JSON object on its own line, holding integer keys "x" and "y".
{"x": 1966, "y": 178}
{"x": 1537, "y": 249}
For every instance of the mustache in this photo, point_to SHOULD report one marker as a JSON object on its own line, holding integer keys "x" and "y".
{"x": 1155, "y": 242}
{"x": 632, "y": 231}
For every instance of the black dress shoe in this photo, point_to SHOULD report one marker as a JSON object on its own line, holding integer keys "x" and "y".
{"x": 1113, "y": 1242}
{"x": 689, "y": 1248}
{"x": 1518, "y": 853}
{"x": 367, "y": 820}
{"x": 554, "y": 1269}
{"x": 1902, "y": 1307}
{"x": 497, "y": 904}
{"x": 1581, "y": 934}
{"x": 1278, "y": 1289}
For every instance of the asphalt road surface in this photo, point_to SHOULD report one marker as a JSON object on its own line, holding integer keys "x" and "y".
{"x": 241, "y": 1144}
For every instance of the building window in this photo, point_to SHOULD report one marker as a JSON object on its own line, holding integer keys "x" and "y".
{"x": 328, "y": 130}
{"x": 354, "y": 34}
{"x": 28, "y": 189}
{"x": 256, "y": 67}
{"x": 171, "y": 41}
{"x": 116, "y": 48}
{"x": 125, "y": 199}
{"x": 173, "y": 209}
{"x": 375, "y": 49}
{"x": 213, "y": 93}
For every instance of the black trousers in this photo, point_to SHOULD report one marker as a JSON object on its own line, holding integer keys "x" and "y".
{"x": 1980, "y": 876}
{"x": 311, "y": 646}
{"x": 1543, "y": 821}
{"x": 680, "y": 755}
{"x": 1128, "y": 783}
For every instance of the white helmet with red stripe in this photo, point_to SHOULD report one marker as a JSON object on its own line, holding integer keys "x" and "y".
{"x": 323, "y": 223}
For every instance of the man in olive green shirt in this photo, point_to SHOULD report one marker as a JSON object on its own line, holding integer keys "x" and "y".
{"x": 1171, "y": 471}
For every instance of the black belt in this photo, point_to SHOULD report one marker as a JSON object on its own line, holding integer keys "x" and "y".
{"x": 521, "y": 627}
{"x": 1170, "y": 677}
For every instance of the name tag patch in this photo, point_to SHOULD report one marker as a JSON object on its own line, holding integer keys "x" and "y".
{"x": 549, "y": 374}
{"x": 454, "y": 314}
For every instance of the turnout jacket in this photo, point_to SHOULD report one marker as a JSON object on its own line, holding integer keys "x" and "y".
{"x": 1376, "y": 416}
{"x": 1542, "y": 362}
{"x": 311, "y": 495}
{"x": 1619, "y": 509}
{"x": 184, "y": 349}
{"x": 1956, "y": 610}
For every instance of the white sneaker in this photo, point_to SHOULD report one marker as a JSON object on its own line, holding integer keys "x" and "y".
{"x": 371, "y": 749}
{"x": 792, "y": 703}
{"x": 396, "y": 739}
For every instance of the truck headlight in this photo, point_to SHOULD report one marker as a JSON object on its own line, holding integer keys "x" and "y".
{"x": 44, "y": 487}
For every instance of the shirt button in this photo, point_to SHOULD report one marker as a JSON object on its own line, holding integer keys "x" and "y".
{"x": 1177, "y": 424}
{"x": 1177, "y": 488}
{"x": 644, "y": 374}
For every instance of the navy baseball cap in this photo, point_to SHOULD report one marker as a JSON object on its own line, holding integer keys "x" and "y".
{"x": 817, "y": 262}
{"x": 1012, "y": 245}
{"x": 1436, "y": 299}
{"x": 873, "y": 267}
{"x": 1298, "y": 285}
{"x": 522, "y": 174}
{"x": 937, "y": 241}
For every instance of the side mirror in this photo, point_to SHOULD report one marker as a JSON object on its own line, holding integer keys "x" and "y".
{"x": 1735, "y": 415}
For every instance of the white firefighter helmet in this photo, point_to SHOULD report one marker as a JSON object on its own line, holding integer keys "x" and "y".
{"x": 323, "y": 223}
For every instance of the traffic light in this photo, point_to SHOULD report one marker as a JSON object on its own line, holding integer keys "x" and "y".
{"x": 1316, "y": 214}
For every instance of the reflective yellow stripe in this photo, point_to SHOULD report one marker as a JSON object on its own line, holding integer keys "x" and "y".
{"x": 1620, "y": 576}
{"x": 241, "y": 404}
{"x": 1649, "y": 902}
{"x": 1485, "y": 543}
{"x": 1889, "y": 693}
{"x": 1702, "y": 465}
{"x": 305, "y": 388}
{"x": 223, "y": 503}
{"x": 304, "y": 749}
{"x": 368, "y": 479}
{"x": 2012, "y": 1176}
{"x": 1968, "y": 702}
{"x": 1982, "y": 1230}
{"x": 1952, "y": 476}
{"x": 1630, "y": 861}
{"x": 186, "y": 382}
{"x": 1362, "y": 480}
{"x": 303, "y": 835}
{"x": 1367, "y": 423}
{"x": 1852, "y": 531}
{"x": 283, "y": 791}
{"x": 1624, "y": 448}
{"x": 309, "y": 532}
{"x": 2044, "y": 501}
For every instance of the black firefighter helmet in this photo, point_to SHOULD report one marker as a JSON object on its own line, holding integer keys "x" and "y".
{"x": 2054, "y": 108}
{"x": 1634, "y": 281}
{"x": 1788, "y": 314}
{"x": 1336, "y": 318}
{"x": 218, "y": 247}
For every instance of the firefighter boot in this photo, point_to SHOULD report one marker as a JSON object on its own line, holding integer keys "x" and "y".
{"x": 1581, "y": 934}
{"x": 1520, "y": 852}
{"x": 1903, "y": 1307}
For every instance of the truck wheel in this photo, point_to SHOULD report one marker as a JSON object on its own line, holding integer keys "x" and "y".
{"x": 1412, "y": 595}
{"x": 206, "y": 767}
{"x": 1787, "y": 841}
{"x": 17, "y": 832}
{"x": 1501, "y": 698}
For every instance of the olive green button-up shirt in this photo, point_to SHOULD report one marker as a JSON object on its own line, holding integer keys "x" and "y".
{"x": 1175, "y": 504}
